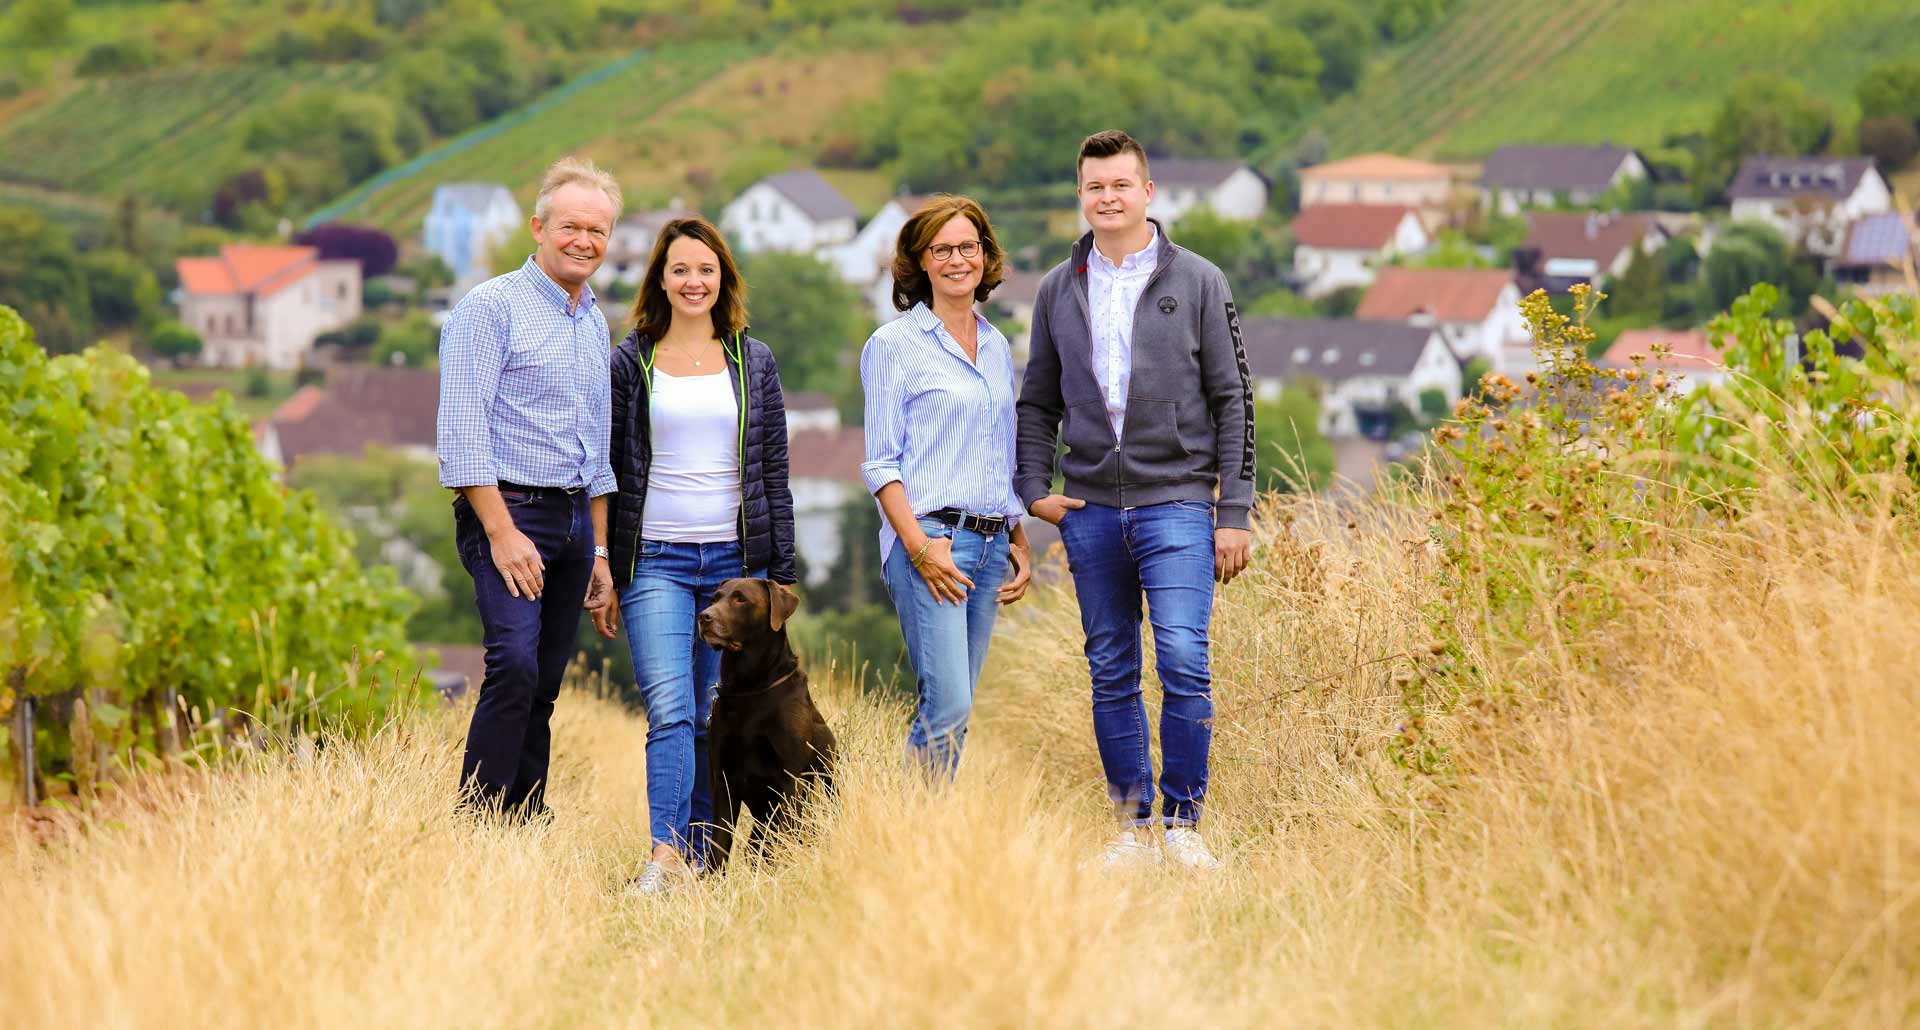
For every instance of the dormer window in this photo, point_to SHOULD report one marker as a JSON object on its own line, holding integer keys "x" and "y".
{"x": 1302, "y": 355}
{"x": 1330, "y": 355}
{"x": 1366, "y": 359}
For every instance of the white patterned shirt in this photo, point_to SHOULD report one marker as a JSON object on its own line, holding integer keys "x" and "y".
{"x": 940, "y": 425}
{"x": 526, "y": 395}
{"x": 1113, "y": 292}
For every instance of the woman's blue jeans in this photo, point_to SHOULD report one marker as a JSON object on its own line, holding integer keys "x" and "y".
{"x": 677, "y": 674}
{"x": 1162, "y": 554}
{"x": 947, "y": 643}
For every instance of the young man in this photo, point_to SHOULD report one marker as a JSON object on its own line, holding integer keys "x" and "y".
{"x": 1136, "y": 362}
{"x": 525, "y": 412}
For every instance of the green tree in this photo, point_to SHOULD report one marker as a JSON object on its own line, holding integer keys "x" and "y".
{"x": 42, "y": 23}
{"x": 1747, "y": 253}
{"x": 123, "y": 287}
{"x": 1291, "y": 453}
{"x": 1891, "y": 90}
{"x": 173, "y": 340}
{"x": 1223, "y": 241}
{"x": 41, "y": 277}
{"x": 1890, "y": 141}
{"x": 1451, "y": 249}
{"x": 814, "y": 322}
{"x": 414, "y": 343}
{"x": 1340, "y": 34}
{"x": 1766, "y": 113}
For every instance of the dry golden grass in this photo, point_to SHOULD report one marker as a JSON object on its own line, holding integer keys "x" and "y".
{"x": 1721, "y": 829}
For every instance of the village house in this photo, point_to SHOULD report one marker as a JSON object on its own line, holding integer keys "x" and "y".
{"x": 795, "y": 212}
{"x": 1230, "y": 189}
{"x": 467, "y": 222}
{"x": 358, "y": 406}
{"x": 264, "y": 305}
{"x": 1476, "y": 310}
{"x": 1811, "y": 200}
{"x": 823, "y": 470}
{"x": 1018, "y": 296}
{"x": 1380, "y": 179}
{"x": 1364, "y": 368}
{"x": 1691, "y": 361}
{"x": 1879, "y": 255}
{"x": 1517, "y": 177}
{"x": 1339, "y": 245}
{"x": 1567, "y": 247}
{"x": 870, "y": 253}
{"x": 631, "y": 245}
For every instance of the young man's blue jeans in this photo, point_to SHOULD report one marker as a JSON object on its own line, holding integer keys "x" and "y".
{"x": 1164, "y": 552}
{"x": 947, "y": 643}
{"x": 529, "y": 643}
{"x": 677, "y": 674}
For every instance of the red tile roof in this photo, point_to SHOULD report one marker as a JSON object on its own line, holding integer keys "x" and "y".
{"x": 1448, "y": 294}
{"x": 359, "y": 407}
{"x": 1587, "y": 235}
{"x": 247, "y": 268}
{"x": 1691, "y": 350}
{"x": 1349, "y": 226}
{"x": 833, "y": 454}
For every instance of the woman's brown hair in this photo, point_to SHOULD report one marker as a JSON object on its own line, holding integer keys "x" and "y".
{"x": 910, "y": 283}
{"x": 653, "y": 313}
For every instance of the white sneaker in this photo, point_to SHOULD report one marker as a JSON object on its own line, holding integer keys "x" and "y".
{"x": 655, "y": 879}
{"x": 1185, "y": 847}
{"x": 1127, "y": 851}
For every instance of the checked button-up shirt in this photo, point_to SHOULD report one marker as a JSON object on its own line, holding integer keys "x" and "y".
{"x": 525, "y": 393}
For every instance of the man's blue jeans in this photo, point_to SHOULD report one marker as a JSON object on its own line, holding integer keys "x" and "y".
{"x": 1164, "y": 552}
{"x": 529, "y": 643}
{"x": 947, "y": 643}
{"x": 677, "y": 673}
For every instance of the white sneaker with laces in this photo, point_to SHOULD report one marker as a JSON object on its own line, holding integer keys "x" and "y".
{"x": 654, "y": 879}
{"x": 1128, "y": 851}
{"x": 1185, "y": 846}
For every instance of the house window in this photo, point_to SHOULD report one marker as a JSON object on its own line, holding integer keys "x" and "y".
{"x": 1330, "y": 355}
{"x": 1366, "y": 359}
{"x": 1302, "y": 355}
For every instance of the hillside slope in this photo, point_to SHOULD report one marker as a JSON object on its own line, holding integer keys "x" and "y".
{"x": 693, "y": 121}
{"x": 1627, "y": 71}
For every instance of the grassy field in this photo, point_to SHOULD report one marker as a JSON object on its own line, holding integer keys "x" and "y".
{"x": 1725, "y": 833}
{"x": 1629, "y": 71}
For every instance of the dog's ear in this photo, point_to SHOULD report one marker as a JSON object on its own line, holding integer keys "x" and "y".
{"x": 781, "y": 601}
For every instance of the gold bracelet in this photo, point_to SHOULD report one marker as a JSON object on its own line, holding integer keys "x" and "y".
{"x": 915, "y": 560}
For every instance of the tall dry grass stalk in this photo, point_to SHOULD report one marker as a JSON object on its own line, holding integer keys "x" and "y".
{"x": 1719, "y": 825}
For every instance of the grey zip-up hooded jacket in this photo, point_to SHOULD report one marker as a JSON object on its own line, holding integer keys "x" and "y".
{"x": 1189, "y": 425}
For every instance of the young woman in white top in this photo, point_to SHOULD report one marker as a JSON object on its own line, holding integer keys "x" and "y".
{"x": 699, "y": 447}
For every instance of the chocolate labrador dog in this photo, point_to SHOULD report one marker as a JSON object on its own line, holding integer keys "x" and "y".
{"x": 766, "y": 741}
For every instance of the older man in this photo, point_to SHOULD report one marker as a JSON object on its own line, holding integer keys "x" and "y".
{"x": 522, "y": 436}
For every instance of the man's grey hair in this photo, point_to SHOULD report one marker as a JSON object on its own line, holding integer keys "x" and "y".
{"x": 571, "y": 171}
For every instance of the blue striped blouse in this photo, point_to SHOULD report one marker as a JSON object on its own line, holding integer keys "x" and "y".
{"x": 939, "y": 424}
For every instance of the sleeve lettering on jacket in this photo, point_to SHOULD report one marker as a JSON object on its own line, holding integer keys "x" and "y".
{"x": 1246, "y": 390}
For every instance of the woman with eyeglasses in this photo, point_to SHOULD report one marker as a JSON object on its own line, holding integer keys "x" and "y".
{"x": 940, "y": 434}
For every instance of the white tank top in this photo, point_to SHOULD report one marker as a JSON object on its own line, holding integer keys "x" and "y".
{"x": 693, "y": 483}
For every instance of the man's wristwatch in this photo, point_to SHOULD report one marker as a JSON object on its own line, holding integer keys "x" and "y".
{"x": 599, "y": 550}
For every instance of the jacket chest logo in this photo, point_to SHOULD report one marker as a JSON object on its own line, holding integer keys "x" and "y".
{"x": 1167, "y": 305}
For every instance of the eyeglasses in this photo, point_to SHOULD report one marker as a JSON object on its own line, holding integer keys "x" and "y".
{"x": 943, "y": 251}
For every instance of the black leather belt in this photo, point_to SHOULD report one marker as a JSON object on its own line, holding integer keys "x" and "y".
{"x": 542, "y": 491}
{"x": 986, "y": 525}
